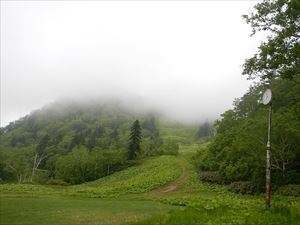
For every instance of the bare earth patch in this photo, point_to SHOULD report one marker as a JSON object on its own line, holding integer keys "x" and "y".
{"x": 173, "y": 186}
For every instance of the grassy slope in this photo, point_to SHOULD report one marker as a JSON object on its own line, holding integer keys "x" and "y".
{"x": 191, "y": 202}
{"x": 213, "y": 204}
{"x": 151, "y": 174}
{"x": 38, "y": 204}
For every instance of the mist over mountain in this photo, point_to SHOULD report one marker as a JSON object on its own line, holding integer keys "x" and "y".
{"x": 135, "y": 106}
{"x": 183, "y": 66}
{"x": 67, "y": 119}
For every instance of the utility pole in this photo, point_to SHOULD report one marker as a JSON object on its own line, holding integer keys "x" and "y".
{"x": 268, "y": 161}
{"x": 267, "y": 97}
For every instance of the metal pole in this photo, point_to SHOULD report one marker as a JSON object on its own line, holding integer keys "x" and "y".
{"x": 268, "y": 161}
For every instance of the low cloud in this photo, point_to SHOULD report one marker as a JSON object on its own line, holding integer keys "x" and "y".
{"x": 181, "y": 58}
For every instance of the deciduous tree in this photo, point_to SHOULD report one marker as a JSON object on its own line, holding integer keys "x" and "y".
{"x": 279, "y": 55}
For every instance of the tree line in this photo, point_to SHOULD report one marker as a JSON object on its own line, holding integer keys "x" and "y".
{"x": 78, "y": 144}
{"x": 237, "y": 152}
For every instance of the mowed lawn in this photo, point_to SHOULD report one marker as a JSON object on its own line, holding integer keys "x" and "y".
{"x": 46, "y": 210}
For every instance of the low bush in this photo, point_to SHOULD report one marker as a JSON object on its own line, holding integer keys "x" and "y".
{"x": 41, "y": 176}
{"x": 57, "y": 182}
{"x": 242, "y": 187}
{"x": 289, "y": 190}
{"x": 211, "y": 177}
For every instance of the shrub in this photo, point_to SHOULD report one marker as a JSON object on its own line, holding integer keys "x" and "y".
{"x": 204, "y": 160}
{"x": 57, "y": 182}
{"x": 289, "y": 190}
{"x": 211, "y": 177}
{"x": 41, "y": 176}
{"x": 242, "y": 187}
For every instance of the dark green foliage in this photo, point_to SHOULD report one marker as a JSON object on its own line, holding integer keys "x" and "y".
{"x": 81, "y": 165}
{"x": 47, "y": 137}
{"x": 74, "y": 167}
{"x": 211, "y": 177}
{"x": 205, "y": 130}
{"x": 134, "y": 148}
{"x": 56, "y": 182}
{"x": 289, "y": 190}
{"x": 238, "y": 150}
{"x": 41, "y": 176}
{"x": 243, "y": 187}
{"x": 68, "y": 125}
{"x": 203, "y": 160}
{"x": 40, "y": 148}
{"x": 17, "y": 164}
{"x": 75, "y": 143}
{"x": 279, "y": 55}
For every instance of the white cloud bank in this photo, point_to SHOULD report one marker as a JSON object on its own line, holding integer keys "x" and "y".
{"x": 183, "y": 57}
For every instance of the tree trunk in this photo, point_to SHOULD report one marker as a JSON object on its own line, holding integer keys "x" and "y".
{"x": 33, "y": 168}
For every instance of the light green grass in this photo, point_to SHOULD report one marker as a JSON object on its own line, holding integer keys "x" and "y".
{"x": 58, "y": 210}
{"x": 192, "y": 203}
{"x": 212, "y": 204}
{"x": 152, "y": 174}
{"x": 38, "y": 204}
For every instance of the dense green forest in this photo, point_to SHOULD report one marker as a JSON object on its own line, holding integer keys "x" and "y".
{"x": 238, "y": 149}
{"x": 237, "y": 152}
{"x": 79, "y": 142}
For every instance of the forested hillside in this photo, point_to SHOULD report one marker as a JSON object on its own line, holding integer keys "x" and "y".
{"x": 237, "y": 153}
{"x": 77, "y": 142}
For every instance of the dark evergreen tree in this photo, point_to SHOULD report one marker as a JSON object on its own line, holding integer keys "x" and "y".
{"x": 204, "y": 130}
{"x": 150, "y": 125}
{"x": 134, "y": 141}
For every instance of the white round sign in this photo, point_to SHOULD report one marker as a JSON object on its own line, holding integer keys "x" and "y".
{"x": 267, "y": 97}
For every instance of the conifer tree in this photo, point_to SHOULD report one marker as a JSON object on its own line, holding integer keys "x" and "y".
{"x": 134, "y": 141}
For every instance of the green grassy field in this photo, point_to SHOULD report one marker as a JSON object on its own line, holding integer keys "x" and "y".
{"x": 162, "y": 190}
{"x": 74, "y": 210}
{"x": 152, "y": 173}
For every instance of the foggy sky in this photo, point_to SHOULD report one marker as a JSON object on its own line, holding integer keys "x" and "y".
{"x": 182, "y": 57}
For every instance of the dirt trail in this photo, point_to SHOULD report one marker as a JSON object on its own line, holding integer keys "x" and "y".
{"x": 172, "y": 187}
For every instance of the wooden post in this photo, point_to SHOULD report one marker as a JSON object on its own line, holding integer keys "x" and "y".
{"x": 268, "y": 161}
